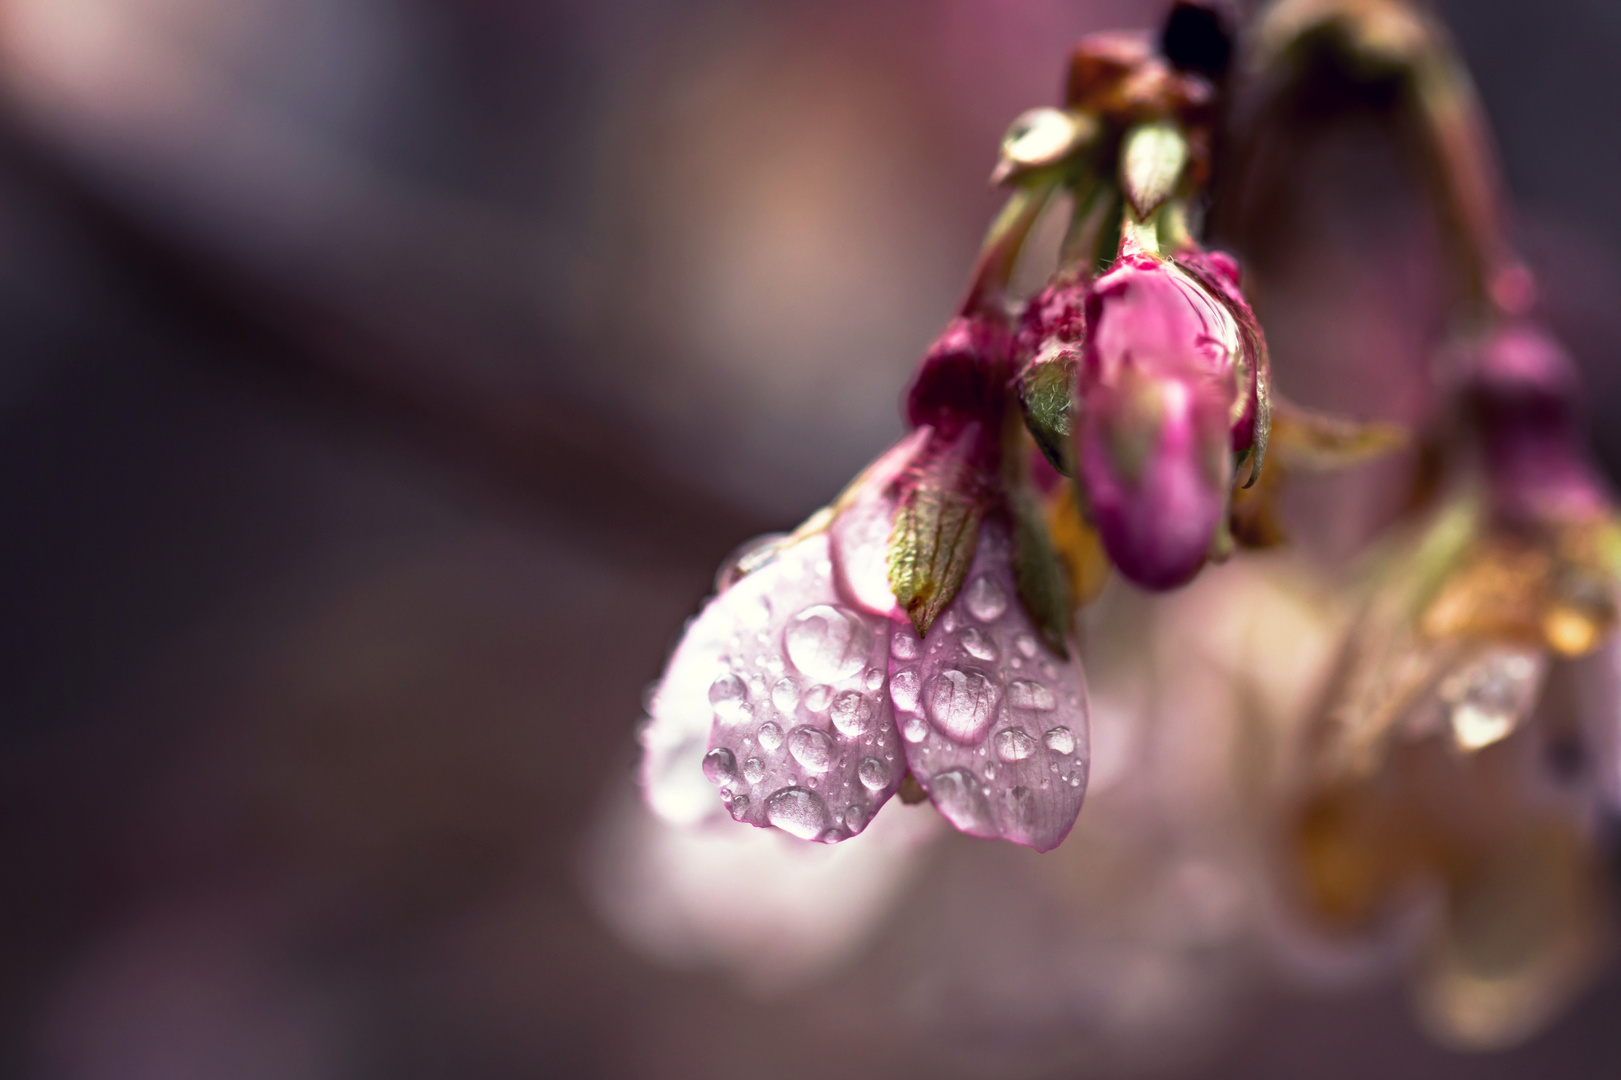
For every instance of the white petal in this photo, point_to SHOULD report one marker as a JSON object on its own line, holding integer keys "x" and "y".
{"x": 786, "y": 683}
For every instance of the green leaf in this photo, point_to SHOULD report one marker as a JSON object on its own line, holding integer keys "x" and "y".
{"x": 1039, "y": 575}
{"x": 932, "y": 544}
{"x": 1151, "y": 164}
{"x": 1047, "y": 393}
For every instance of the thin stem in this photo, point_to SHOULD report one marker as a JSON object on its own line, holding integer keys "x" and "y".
{"x": 987, "y": 289}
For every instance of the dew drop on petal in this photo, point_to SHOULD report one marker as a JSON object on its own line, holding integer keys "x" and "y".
{"x": 739, "y": 805}
{"x": 948, "y": 621}
{"x": 785, "y": 695}
{"x": 1060, "y": 740}
{"x": 770, "y": 736}
{"x": 730, "y": 698}
{"x": 720, "y": 767}
{"x": 904, "y": 689}
{"x": 961, "y": 703}
{"x": 914, "y": 728}
{"x": 753, "y": 770}
{"x": 812, "y": 748}
{"x": 874, "y": 774}
{"x": 1024, "y": 694}
{"x": 985, "y": 599}
{"x": 855, "y": 818}
{"x": 797, "y": 812}
{"x": 978, "y": 645}
{"x": 904, "y": 645}
{"x": 1014, "y": 745}
{"x": 851, "y": 713}
{"x": 874, "y": 678}
{"x": 1026, "y": 644}
{"x": 818, "y": 696}
{"x": 827, "y": 642}
{"x": 958, "y": 796}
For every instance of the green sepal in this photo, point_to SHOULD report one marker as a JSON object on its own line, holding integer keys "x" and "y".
{"x": 1039, "y": 575}
{"x": 932, "y": 543}
{"x": 1047, "y": 395}
{"x": 1151, "y": 164}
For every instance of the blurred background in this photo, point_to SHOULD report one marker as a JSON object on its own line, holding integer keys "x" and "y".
{"x": 381, "y": 382}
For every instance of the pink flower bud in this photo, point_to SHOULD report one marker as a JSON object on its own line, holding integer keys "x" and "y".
{"x": 1168, "y": 391}
{"x": 964, "y": 377}
{"x": 1522, "y": 391}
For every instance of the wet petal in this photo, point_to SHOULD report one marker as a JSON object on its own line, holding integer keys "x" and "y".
{"x": 994, "y": 724}
{"x": 788, "y": 682}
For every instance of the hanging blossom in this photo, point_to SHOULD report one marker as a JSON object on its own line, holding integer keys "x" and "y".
{"x": 1465, "y": 764}
{"x": 916, "y": 635}
{"x": 1470, "y": 746}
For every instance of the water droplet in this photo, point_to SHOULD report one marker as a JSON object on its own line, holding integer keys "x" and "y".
{"x": 720, "y": 767}
{"x": 770, "y": 735}
{"x": 985, "y": 599}
{"x": 948, "y": 621}
{"x": 874, "y": 774}
{"x": 756, "y": 686}
{"x": 961, "y": 703}
{"x": 1024, "y": 694}
{"x": 914, "y": 729}
{"x": 746, "y": 558}
{"x": 1060, "y": 740}
{"x": 1025, "y": 644}
{"x": 817, "y": 697}
{"x": 797, "y": 812}
{"x": 1014, "y": 745}
{"x": 874, "y": 678}
{"x": 738, "y": 806}
{"x": 785, "y": 695}
{"x": 904, "y": 689}
{"x": 978, "y": 645}
{"x": 730, "y": 698}
{"x": 855, "y": 818}
{"x": 851, "y": 713}
{"x": 1490, "y": 697}
{"x": 753, "y": 771}
{"x": 903, "y": 646}
{"x": 811, "y": 748}
{"x": 958, "y": 796}
{"x": 827, "y": 643}
{"x": 1075, "y": 780}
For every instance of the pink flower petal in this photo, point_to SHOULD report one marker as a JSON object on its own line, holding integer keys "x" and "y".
{"x": 789, "y": 682}
{"x": 994, "y": 724}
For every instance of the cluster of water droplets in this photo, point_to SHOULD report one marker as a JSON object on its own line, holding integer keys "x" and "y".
{"x": 802, "y": 734}
{"x": 994, "y": 724}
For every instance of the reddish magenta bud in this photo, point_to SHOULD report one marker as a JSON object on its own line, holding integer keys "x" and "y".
{"x": 1167, "y": 393}
{"x": 963, "y": 378}
{"x": 1522, "y": 392}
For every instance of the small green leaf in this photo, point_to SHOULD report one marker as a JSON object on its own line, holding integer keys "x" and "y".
{"x": 1152, "y": 163}
{"x": 932, "y": 544}
{"x": 1047, "y": 393}
{"x": 1039, "y": 575}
